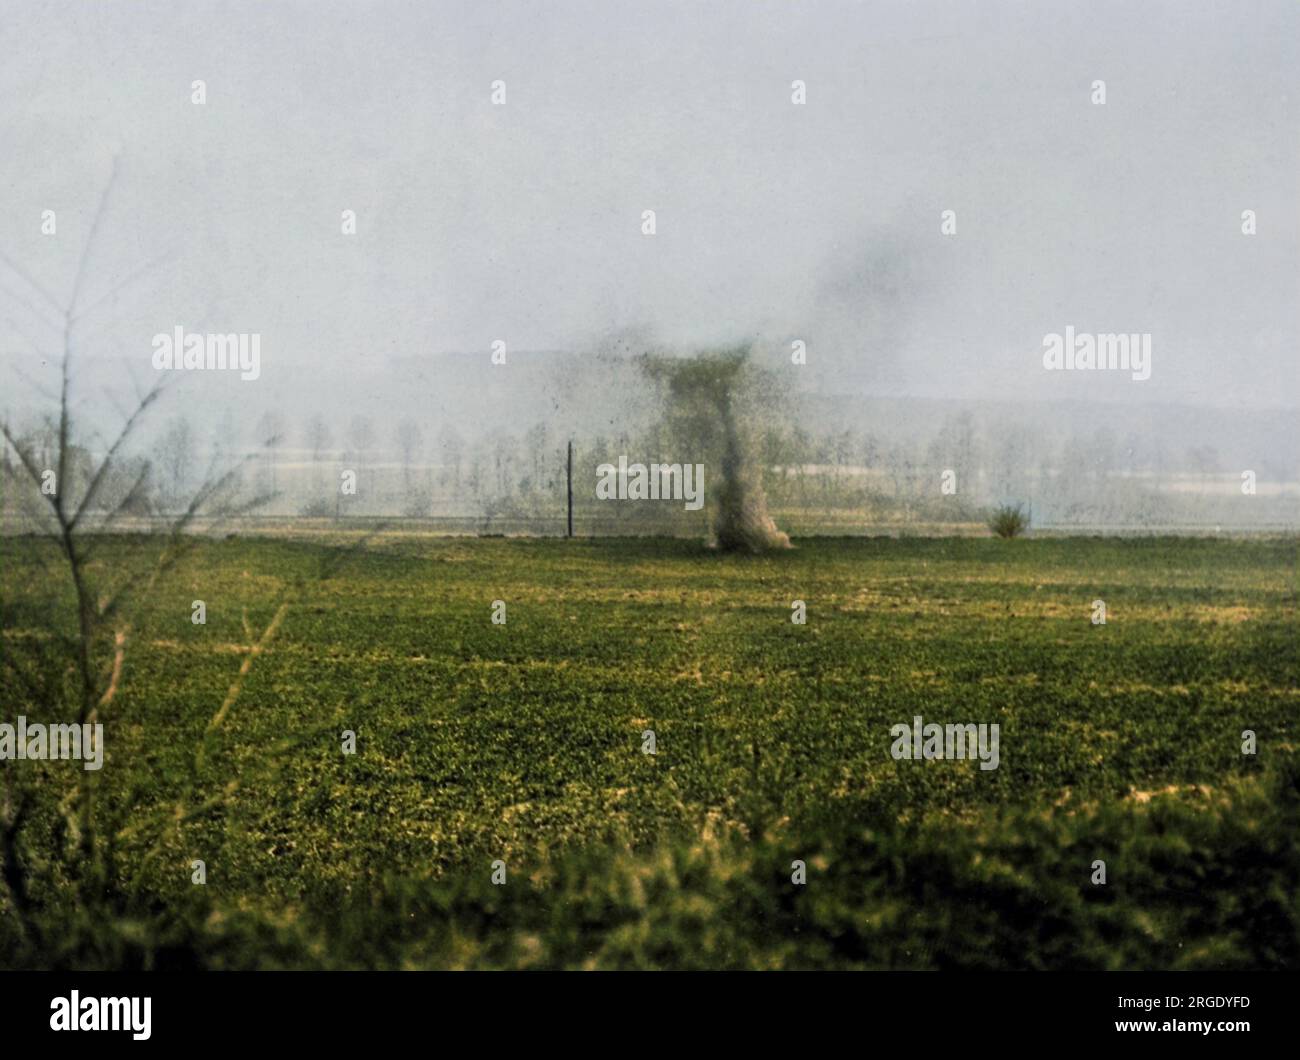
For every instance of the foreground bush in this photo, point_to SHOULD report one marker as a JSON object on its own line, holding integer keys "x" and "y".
{"x": 1194, "y": 880}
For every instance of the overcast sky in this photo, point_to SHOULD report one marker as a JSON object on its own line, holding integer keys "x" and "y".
{"x": 818, "y": 222}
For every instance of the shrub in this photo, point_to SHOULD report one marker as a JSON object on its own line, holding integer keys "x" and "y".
{"x": 1010, "y": 520}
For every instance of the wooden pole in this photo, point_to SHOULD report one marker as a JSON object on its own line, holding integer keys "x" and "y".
{"x": 569, "y": 476}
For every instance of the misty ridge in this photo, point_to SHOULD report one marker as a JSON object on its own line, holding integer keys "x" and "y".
{"x": 464, "y": 445}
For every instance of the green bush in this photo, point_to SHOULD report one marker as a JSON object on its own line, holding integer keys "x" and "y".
{"x": 1010, "y": 520}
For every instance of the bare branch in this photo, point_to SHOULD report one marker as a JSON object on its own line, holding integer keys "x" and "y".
{"x": 23, "y": 333}
{"x": 254, "y": 650}
{"x": 177, "y": 544}
{"x": 138, "y": 490}
{"x": 115, "y": 674}
{"x": 127, "y": 428}
{"x": 39, "y": 288}
{"x": 72, "y": 310}
{"x": 31, "y": 381}
{"x": 116, "y": 289}
{"x": 29, "y": 465}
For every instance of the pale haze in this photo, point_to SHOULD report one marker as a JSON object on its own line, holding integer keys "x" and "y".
{"x": 775, "y": 222}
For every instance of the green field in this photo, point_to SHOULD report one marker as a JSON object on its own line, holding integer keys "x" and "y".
{"x": 523, "y": 742}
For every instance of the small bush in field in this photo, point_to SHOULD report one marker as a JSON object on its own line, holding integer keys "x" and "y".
{"x": 1010, "y": 520}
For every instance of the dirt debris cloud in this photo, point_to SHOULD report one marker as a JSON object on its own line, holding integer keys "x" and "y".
{"x": 713, "y": 400}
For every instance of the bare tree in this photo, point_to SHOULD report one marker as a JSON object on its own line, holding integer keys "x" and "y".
{"x": 270, "y": 436}
{"x": 75, "y": 668}
{"x": 452, "y": 447}
{"x": 361, "y": 439}
{"x": 409, "y": 441}
{"x": 177, "y": 452}
{"x": 319, "y": 439}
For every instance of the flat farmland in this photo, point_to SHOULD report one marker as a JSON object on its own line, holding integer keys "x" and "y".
{"x": 517, "y": 748}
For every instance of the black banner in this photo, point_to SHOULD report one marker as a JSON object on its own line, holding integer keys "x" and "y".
{"x": 337, "y": 1009}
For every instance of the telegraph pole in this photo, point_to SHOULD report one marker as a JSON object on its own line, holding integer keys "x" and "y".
{"x": 569, "y": 477}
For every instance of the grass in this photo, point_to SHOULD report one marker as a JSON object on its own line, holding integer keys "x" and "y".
{"x": 522, "y": 742}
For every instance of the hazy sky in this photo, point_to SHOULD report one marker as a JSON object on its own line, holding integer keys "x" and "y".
{"x": 820, "y": 222}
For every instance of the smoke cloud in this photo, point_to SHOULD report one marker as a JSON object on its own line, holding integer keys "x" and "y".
{"x": 711, "y": 409}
